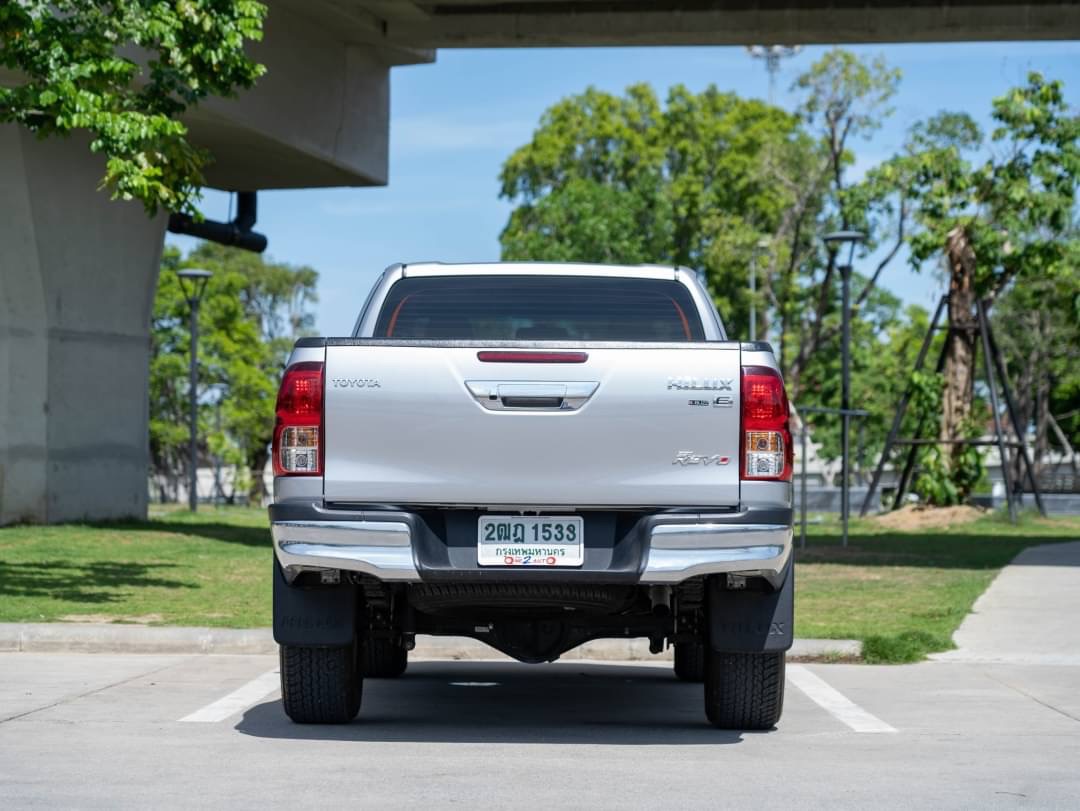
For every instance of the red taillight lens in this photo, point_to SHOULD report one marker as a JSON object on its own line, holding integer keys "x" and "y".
{"x": 767, "y": 453}
{"x": 298, "y": 447}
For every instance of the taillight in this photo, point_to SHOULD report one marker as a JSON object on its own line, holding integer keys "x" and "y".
{"x": 766, "y": 436}
{"x": 298, "y": 445}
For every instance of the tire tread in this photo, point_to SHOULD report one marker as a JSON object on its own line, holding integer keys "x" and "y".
{"x": 382, "y": 659}
{"x": 744, "y": 690}
{"x": 320, "y": 685}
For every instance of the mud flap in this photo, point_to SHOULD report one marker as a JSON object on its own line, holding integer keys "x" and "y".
{"x": 748, "y": 621}
{"x": 317, "y": 616}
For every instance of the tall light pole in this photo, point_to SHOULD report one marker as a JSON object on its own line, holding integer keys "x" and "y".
{"x": 193, "y": 283}
{"x": 762, "y": 246}
{"x": 835, "y": 241}
{"x": 772, "y": 54}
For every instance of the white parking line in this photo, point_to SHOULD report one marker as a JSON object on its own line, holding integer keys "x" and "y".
{"x": 834, "y": 702}
{"x": 236, "y": 701}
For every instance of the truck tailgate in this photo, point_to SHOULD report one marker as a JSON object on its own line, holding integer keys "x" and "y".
{"x": 631, "y": 425}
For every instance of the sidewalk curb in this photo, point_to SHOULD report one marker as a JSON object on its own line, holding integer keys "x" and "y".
{"x": 64, "y": 637}
{"x": 60, "y": 637}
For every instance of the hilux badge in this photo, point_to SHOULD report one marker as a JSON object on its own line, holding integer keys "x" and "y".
{"x": 700, "y": 383}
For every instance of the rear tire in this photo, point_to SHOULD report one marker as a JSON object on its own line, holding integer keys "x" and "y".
{"x": 382, "y": 659}
{"x": 320, "y": 685}
{"x": 690, "y": 661}
{"x": 744, "y": 690}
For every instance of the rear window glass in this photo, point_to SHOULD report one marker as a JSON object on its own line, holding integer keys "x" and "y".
{"x": 539, "y": 308}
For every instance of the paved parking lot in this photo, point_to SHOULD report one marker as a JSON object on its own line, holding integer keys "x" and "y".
{"x": 131, "y": 730}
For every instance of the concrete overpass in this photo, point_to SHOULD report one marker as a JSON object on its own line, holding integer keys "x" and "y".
{"x": 518, "y": 23}
{"x": 77, "y": 271}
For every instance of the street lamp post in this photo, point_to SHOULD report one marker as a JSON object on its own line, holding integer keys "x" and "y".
{"x": 193, "y": 283}
{"x": 835, "y": 241}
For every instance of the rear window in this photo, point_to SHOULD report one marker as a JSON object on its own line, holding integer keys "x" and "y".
{"x": 539, "y": 308}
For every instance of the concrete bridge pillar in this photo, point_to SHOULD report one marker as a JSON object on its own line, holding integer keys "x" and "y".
{"x": 78, "y": 270}
{"x": 77, "y": 279}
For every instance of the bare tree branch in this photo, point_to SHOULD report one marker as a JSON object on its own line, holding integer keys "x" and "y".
{"x": 900, "y": 236}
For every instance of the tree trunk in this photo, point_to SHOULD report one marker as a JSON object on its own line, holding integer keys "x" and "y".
{"x": 1023, "y": 390}
{"x": 1042, "y": 405}
{"x": 256, "y": 465}
{"x": 783, "y": 342}
{"x": 960, "y": 343}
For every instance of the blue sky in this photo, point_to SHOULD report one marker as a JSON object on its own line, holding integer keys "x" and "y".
{"x": 454, "y": 122}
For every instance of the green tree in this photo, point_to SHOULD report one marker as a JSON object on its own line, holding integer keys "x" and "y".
{"x": 844, "y": 99}
{"x": 124, "y": 72}
{"x": 628, "y": 179}
{"x": 990, "y": 219}
{"x": 252, "y": 311}
{"x": 940, "y": 481}
{"x": 586, "y": 221}
{"x": 1038, "y": 331}
{"x": 885, "y": 343}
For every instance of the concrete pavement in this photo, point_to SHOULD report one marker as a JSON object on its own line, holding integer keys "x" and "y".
{"x": 1029, "y": 615}
{"x": 105, "y": 731}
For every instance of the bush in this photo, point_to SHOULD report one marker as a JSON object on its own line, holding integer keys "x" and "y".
{"x": 903, "y": 648}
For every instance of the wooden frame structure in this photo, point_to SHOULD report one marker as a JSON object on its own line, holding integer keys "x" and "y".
{"x": 992, "y": 362}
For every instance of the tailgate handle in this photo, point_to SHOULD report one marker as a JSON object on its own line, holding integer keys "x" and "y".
{"x": 517, "y": 401}
{"x": 516, "y": 395}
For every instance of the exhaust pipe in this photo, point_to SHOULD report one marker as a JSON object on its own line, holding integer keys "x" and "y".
{"x": 237, "y": 232}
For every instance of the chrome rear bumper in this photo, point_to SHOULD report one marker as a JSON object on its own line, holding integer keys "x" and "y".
{"x": 678, "y": 552}
{"x": 678, "y": 547}
{"x": 382, "y": 549}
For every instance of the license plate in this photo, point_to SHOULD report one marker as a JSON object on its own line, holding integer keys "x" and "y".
{"x": 540, "y": 540}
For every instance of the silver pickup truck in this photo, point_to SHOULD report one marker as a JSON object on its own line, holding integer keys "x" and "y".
{"x": 535, "y": 456}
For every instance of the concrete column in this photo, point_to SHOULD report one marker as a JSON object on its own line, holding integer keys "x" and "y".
{"x": 77, "y": 279}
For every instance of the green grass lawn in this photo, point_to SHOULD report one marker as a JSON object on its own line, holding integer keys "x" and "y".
{"x": 903, "y": 594}
{"x": 210, "y": 568}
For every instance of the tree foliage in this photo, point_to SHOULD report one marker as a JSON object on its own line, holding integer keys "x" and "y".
{"x": 630, "y": 179}
{"x": 1013, "y": 208}
{"x": 1038, "y": 329}
{"x": 251, "y": 312}
{"x": 940, "y": 481}
{"x": 885, "y": 341}
{"x": 995, "y": 214}
{"x": 124, "y": 72}
{"x": 844, "y": 99}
